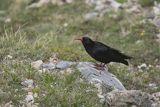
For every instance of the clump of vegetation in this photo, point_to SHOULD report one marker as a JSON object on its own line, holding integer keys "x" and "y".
{"x": 147, "y": 3}
{"x": 51, "y": 88}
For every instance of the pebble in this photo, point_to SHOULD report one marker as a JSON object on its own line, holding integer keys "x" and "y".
{"x": 90, "y": 15}
{"x": 29, "y": 98}
{"x": 8, "y": 20}
{"x": 49, "y": 66}
{"x": 37, "y": 64}
{"x": 28, "y": 83}
{"x": 9, "y": 56}
{"x": 142, "y": 66}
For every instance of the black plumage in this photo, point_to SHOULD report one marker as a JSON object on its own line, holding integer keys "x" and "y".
{"x": 102, "y": 52}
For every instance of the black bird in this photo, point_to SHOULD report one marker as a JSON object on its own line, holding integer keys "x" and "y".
{"x": 102, "y": 52}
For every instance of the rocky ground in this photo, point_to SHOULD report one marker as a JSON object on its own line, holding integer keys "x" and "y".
{"x": 42, "y": 65}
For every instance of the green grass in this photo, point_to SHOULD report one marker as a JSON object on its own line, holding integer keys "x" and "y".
{"x": 35, "y": 34}
{"x": 53, "y": 89}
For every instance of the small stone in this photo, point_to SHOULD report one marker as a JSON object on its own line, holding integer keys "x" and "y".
{"x": 156, "y": 21}
{"x": 158, "y": 35}
{"x": 69, "y": 1}
{"x": 65, "y": 24}
{"x": 100, "y": 8}
{"x": 51, "y": 86}
{"x": 69, "y": 70}
{"x": 156, "y": 9}
{"x": 49, "y": 66}
{"x": 54, "y": 58}
{"x": 115, "y": 5}
{"x": 9, "y": 56}
{"x": 142, "y": 66}
{"x": 16, "y": 90}
{"x": 29, "y": 98}
{"x": 28, "y": 83}
{"x": 157, "y": 94}
{"x": 139, "y": 41}
{"x": 8, "y": 20}
{"x": 43, "y": 70}
{"x": 152, "y": 84}
{"x": 64, "y": 64}
{"x": 150, "y": 66}
{"x": 37, "y": 64}
{"x": 135, "y": 9}
{"x": 91, "y": 15}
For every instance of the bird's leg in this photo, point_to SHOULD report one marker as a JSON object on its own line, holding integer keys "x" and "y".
{"x": 103, "y": 65}
{"x": 99, "y": 66}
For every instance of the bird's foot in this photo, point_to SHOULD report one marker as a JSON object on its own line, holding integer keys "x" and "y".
{"x": 99, "y": 66}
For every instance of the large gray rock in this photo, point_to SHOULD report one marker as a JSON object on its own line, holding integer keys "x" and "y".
{"x": 104, "y": 77}
{"x": 101, "y": 78}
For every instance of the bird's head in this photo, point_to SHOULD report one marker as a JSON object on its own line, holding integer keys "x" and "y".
{"x": 86, "y": 41}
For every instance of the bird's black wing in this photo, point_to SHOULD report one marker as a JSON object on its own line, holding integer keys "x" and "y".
{"x": 108, "y": 52}
{"x": 101, "y": 52}
{"x": 99, "y": 44}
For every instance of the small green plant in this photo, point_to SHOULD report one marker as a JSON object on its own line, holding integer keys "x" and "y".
{"x": 146, "y": 3}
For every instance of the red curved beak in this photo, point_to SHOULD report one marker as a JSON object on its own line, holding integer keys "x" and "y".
{"x": 79, "y": 39}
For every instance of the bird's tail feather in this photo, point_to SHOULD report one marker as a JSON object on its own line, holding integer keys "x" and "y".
{"x": 126, "y": 56}
{"x": 124, "y": 62}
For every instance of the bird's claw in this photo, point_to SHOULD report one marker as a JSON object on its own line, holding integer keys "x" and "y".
{"x": 99, "y": 66}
